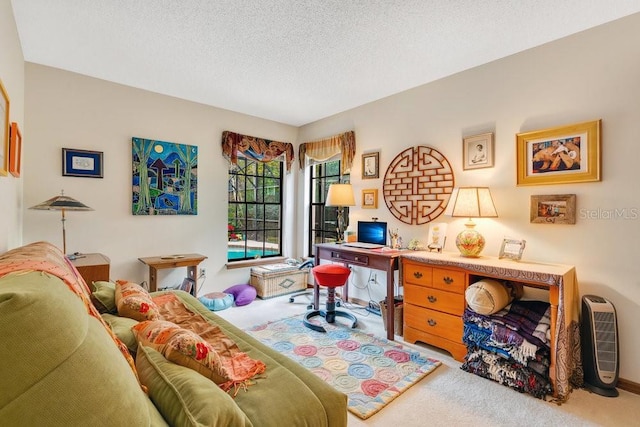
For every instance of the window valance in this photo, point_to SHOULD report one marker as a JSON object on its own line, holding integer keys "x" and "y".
{"x": 259, "y": 149}
{"x": 322, "y": 150}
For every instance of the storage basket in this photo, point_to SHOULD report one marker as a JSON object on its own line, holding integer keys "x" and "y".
{"x": 278, "y": 279}
{"x": 397, "y": 315}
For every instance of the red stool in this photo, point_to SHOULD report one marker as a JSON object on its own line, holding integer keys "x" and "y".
{"x": 331, "y": 276}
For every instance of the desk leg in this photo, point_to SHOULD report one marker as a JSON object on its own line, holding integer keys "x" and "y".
{"x": 153, "y": 279}
{"x": 192, "y": 273}
{"x": 316, "y": 288}
{"x": 390, "y": 303}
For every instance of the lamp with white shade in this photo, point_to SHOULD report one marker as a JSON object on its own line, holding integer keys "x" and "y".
{"x": 471, "y": 202}
{"x": 340, "y": 196}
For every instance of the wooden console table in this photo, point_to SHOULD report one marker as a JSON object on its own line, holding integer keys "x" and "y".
{"x": 155, "y": 263}
{"x": 92, "y": 267}
{"x": 385, "y": 260}
{"x": 434, "y": 302}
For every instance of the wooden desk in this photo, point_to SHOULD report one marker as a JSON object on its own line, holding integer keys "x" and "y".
{"x": 155, "y": 263}
{"x": 92, "y": 267}
{"x": 386, "y": 261}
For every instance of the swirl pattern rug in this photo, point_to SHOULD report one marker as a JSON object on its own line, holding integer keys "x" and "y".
{"x": 371, "y": 371}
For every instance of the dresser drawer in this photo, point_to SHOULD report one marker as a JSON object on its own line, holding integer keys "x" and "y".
{"x": 435, "y": 299}
{"x": 449, "y": 280}
{"x": 416, "y": 273}
{"x": 433, "y": 322}
{"x": 351, "y": 258}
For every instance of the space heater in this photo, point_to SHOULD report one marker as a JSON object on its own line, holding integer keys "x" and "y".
{"x": 600, "y": 347}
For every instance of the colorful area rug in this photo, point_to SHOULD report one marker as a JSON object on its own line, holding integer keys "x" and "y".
{"x": 371, "y": 371}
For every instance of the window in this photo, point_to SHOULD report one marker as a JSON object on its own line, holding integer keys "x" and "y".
{"x": 323, "y": 220}
{"x": 254, "y": 227}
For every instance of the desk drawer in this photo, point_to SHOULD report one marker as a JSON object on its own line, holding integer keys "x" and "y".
{"x": 448, "y": 280}
{"x": 416, "y": 273}
{"x": 351, "y": 258}
{"x": 435, "y": 299}
{"x": 433, "y": 322}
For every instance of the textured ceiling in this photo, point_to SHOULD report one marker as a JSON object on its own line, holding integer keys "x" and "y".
{"x": 292, "y": 61}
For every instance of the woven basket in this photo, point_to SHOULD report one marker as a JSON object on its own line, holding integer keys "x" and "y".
{"x": 278, "y": 279}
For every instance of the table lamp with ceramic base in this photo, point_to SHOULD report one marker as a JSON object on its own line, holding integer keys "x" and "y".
{"x": 472, "y": 202}
{"x": 340, "y": 196}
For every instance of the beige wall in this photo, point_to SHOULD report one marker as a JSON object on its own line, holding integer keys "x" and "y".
{"x": 12, "y": 76}
{"x": 74, "y": 111}
{"x": 592, "y": 75}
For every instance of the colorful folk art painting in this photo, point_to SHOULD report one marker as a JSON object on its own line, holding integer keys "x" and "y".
{"x": 164, "y": 178}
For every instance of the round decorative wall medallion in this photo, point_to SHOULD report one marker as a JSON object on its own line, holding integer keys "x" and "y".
{"x": 417, "y": 185}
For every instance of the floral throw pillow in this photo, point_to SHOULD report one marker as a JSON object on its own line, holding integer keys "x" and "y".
{"x": 134, "y": 302}
{"x": 183, "y": 347}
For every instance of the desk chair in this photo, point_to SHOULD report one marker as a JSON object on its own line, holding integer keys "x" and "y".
{"x": 330, "y": 276}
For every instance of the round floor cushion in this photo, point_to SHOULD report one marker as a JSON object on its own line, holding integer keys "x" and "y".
{"x": 216, "y": 301}
{"x": 243, "y": 294}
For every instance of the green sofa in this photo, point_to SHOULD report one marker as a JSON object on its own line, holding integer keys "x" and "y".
{"x": 60, "y": 365}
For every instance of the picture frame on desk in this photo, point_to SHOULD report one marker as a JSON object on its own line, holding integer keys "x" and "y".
{"x": 512, "y": 249}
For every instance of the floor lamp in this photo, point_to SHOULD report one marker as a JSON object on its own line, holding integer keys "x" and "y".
{"x": 62, "y": 203}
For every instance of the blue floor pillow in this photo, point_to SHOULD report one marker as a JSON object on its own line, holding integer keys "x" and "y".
{"x": 216, "y": 301}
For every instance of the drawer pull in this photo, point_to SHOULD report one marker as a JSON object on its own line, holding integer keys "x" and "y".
{"x": 337, "y": 255}
{"x": 448, "y": 280}
{"x": 417, "y": 274}
{"x": 431, "y": 322}
{"x": 356, "y": 259}
{"x": 432, "y": 299}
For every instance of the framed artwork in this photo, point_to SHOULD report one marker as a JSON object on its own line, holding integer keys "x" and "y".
{"x": 371, "y": 165}
{"x": 165, "y": 178}
{"x": 15, "y": 150}
{"x": 82, "y": 163}
{"x": 437, "y": 237}
{"x": 562, "y": 155}
{"x": 553, "y": 209}
{"x": 370, "y": 199}
{"x": 477, "y": 151}
{"x": 4, "y": 130}
{"x": 512, "y": 249}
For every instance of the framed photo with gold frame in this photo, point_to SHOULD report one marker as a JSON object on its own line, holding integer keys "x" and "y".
{"x": 370, "y": 199}
{"x": 561, "y": 155}
{"x": 4, "y": 130}
{"x": 553, "y": 209}
{"x": 512, "y": 249}
{"x": 15, "y": 150}
{"x": 477, "y": 151}
{"x": 371, "y": 165}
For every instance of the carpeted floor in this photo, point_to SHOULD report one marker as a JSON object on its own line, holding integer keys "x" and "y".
{"x": 370, "y": 370}
{"x": 451, "y": 397}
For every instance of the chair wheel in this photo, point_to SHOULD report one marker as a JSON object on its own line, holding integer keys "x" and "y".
{"x": 338, "y": 304}
{"x": 290, "y": 299}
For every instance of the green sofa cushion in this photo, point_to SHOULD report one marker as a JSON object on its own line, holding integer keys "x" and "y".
{"x": 103, "y": 296}
{"x": 68, "y": 371}
{"x": 121, "y": 326}
{"x": 185, "y": 397}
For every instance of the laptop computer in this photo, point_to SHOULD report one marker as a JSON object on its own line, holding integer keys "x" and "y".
{"x": 371, "y": 235}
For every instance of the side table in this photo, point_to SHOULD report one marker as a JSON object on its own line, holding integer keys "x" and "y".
{"x": 155, "y": 263}
{"x": 92, "y": 267}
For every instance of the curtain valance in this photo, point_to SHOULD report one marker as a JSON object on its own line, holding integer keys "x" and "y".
{"x": 322, "y": 150}
{"x": 259, "y": 149}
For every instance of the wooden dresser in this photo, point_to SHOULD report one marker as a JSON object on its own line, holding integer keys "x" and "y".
{"x": 434, "y": 286}
{"x": 92, "y": 267}
{"x": 433, "y": 306}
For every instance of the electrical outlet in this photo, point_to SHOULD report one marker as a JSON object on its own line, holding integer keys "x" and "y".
{"x": 203, "y": 272}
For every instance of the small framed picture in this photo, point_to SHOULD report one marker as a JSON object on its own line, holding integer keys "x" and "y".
{"x": 371, "y": 165}
{"x": 15, "y": 150}
{"x": 512, "y": 249}
{"x": 437, "y": 237}
{"x": 553, "y": 209}
{"x": 370, "y": 199}
{"x": 82, "y": 163}
{"x": 477, "y": 151}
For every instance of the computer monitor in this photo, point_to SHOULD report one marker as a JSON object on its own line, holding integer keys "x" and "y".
{"x": 372, "y": 232}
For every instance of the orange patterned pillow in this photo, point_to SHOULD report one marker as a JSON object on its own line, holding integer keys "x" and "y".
{"x": 183, "y": 347}
{"x": 134, "y": 302}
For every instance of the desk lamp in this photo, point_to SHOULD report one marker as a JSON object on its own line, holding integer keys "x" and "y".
{"x": 472, "y": 202}
{"x": 340, "y": 195}
{"x": 62, "y": 203}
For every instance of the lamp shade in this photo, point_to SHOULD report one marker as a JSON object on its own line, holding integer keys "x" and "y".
{"x": 340, "y": 195}
{"x": 473, "y": 202}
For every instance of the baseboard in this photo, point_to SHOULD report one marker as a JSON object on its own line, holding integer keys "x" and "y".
{"x": 629, "y": 386}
